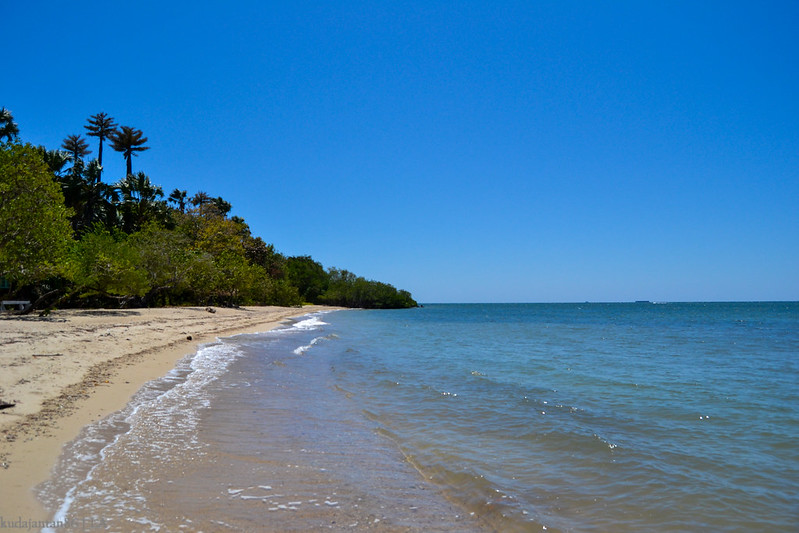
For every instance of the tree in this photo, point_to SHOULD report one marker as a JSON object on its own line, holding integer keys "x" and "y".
{"x": 166, "y": 261}
{"x": 201, "y": 200}
{"x": 8, "y": 128}
{"x": 348, "y": 290}
{"x": 214, "y": 235}
{"x": 55, "y": 159}
{"x": 103, "y": 127}
{"x": 308, "y": 276}
{"x": 84, "y": 193}
{"x": 209, "y": 206}
{"x": 106, "y": 264}
{"x": 98, "y": 200}
{"x": 77, "y": 147}
{"x": 73, "y": 187}
{"x": 264, "y": 255}
{"x": 140, "y": 202}
{"x": 34, "y": 223}
{"x": 128, "y": 141}
{"x": 222, "y": 207}
{"x": 178, "y": 198}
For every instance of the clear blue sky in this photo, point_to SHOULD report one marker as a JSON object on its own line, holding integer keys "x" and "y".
{"x": 465, "y": 151}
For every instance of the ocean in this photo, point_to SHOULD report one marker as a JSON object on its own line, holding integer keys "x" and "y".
{"x": 498, "y": 417}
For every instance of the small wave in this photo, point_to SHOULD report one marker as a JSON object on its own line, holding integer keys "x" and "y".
{"x": 312, "y": 322}
{"x": 302, "y": 349}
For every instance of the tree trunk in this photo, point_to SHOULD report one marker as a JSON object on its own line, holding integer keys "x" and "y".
{"x": 40, "y": 300}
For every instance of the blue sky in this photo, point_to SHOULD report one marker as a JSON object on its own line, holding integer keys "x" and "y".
{"x": 465, "y": 151}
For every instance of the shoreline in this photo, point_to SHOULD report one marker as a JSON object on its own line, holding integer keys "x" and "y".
{"x": 75, "y": 366}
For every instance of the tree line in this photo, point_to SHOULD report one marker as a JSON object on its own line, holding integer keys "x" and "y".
{"x": 70, "y": 239}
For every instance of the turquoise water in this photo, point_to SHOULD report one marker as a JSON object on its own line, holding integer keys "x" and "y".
{"x": 564, "y": 417}
{"x": 594, "y": 417}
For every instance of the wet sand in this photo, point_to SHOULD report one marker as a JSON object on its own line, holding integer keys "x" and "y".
{"x": 72, "y": 367}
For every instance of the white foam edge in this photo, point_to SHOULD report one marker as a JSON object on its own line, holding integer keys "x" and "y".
{"x": 195, "y": 363}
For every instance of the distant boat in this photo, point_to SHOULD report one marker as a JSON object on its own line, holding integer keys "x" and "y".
{"x": 644, "y": 302}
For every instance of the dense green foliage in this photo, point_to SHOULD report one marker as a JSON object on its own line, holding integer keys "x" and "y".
{"x": 348, "y": 290}
{"x": 342, "y": 288}
{"x": 34, "y": 222}
{"x": 308, "y": 276}
{"x": 67, "y": 238}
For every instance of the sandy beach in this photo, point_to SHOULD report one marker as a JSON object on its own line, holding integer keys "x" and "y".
{"x": 67, "y": 369}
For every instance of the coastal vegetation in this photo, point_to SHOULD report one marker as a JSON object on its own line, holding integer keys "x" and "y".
{"x": 69, "y": 238}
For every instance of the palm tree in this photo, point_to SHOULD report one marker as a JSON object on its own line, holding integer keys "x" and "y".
{"x": 103, "y": 127}
{"x": 178, "y": 198}
{"x": 91, "y": 200}
{"x": 222, "y": 206}
{"x": 207, "y": 205}
{"x": 141, "y": 201}
{"x": 99, "y": 198}
{"x": 138, "y": 188}
{"x": 8, "y": 128}
{"x": 128, "y": 141}
{"x": 77, "y": 148}
{"x": 200, "y": 200}
{"x": 55, "y": 159}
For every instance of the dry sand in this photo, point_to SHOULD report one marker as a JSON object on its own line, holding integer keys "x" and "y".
{"x": 75, "y": 366}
